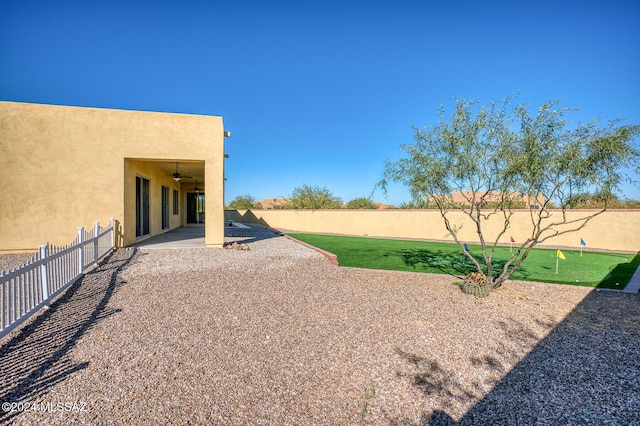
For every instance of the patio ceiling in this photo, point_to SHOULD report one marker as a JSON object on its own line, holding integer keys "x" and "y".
{"x": 195, "y": 169}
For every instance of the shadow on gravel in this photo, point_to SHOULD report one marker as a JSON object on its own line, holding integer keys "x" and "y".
{"x": 586, "y": 371}
{"x": 254, "y": 233}
{"x": 38, "y": 357}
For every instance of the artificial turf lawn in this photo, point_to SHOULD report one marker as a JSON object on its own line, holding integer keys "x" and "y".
{"x": 604, "y": 270}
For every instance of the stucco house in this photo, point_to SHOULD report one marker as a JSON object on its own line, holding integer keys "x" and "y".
{"x": 62, "y": 167}
{"x": 524, "y": 200}
{"x": 274, "y": 203}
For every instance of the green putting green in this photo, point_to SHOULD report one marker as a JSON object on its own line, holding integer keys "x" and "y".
{"x": 592, "y": 269}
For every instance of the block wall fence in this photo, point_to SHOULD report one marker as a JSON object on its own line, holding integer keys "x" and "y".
{"x": 617, "y": 230}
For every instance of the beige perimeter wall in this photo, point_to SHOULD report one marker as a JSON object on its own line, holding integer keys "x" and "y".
{"x": 64, "y": 167}
{"x": 612, "y": 230}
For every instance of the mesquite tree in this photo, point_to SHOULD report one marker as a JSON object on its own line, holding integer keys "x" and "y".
{"x": 313, "y": 197}
{"x": 496, "y": 156}
{"x": 244, "y": 202}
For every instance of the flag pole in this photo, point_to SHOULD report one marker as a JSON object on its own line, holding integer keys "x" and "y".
{"x": 559, "y": 255}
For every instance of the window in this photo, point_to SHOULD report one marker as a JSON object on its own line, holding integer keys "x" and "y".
{"x": 176, "y": 202}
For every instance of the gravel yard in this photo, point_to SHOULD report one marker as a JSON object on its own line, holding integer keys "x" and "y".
{"x": 277, "y": 335}
{"x": 11, "y": 261}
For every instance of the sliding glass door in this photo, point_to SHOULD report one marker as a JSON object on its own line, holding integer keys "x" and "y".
{"x": 165, "y": 207}
{"x": 142, "y": 206}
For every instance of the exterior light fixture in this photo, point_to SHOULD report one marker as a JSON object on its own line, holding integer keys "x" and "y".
{"x": 227, "y": 134}
{"x": 226, "y": 156}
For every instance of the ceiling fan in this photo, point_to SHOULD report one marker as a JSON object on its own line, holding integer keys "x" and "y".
{"x": 196, "y": 187}
{"x": 177, "y": 176}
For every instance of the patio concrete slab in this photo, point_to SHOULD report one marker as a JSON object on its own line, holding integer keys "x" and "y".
{"x": 193, "y": 236}
{"x": 183, "y": 237}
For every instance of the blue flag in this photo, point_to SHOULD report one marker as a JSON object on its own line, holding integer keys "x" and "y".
{"x": 582, "y": 243}
{"x": 465, "y": 247}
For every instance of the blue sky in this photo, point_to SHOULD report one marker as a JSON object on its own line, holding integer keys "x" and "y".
{"x": 320, "y": 92}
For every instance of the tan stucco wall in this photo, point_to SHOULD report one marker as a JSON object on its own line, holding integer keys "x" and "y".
{"x": 63, "y": 167}
{"x": 612, "y": 230}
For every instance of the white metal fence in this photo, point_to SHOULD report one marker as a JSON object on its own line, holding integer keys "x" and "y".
{"x": 51, "y": 270}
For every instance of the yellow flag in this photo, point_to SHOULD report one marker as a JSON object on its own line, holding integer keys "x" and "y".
{"x": 560, "y": 255}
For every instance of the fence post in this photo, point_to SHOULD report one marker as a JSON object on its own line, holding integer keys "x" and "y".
{"x": 80, "y": 250}
{"x": 44, "y": 249}
{"x": 96, "y": 232}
